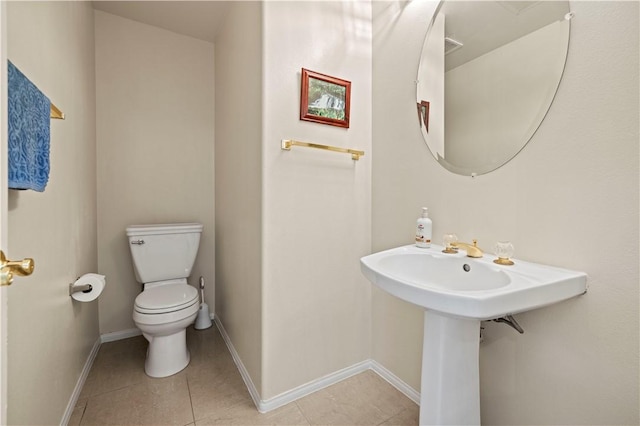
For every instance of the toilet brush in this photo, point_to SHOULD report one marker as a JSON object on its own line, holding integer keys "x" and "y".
{"x": 203, "y": 320}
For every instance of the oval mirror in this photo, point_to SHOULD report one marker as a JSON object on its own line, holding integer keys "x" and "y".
{"x": 488, "y": 73}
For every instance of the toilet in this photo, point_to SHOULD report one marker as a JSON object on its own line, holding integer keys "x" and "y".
{"x": 163, "y": 256}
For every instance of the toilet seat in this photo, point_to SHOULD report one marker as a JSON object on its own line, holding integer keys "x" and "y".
{"x": 166, "y": 318}
{"x": 166, "y": 299}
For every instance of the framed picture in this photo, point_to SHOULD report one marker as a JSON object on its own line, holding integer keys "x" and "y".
{"x": 325, "y": 99}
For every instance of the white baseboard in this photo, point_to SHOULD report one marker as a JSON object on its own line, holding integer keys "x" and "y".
{"x": 119, "y": 335}
{"x": 395, "y": 381}
{"x": 284, "y": 398}
{"x": 312, "y": 386}
{"x": 80, "y": 383}
{"x": 108, "y": 337}
{"x": 255, "y": 396}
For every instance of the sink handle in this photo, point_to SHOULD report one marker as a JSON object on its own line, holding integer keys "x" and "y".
{"x": 511, "y": 322}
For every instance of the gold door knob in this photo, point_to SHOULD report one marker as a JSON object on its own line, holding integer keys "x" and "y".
{"x": 10, "y": 267}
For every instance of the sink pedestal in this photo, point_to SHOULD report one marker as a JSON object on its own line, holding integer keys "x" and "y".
{"x": 450, "y": 386}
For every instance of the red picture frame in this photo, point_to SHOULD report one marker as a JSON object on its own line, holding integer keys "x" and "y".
{"x": 325, "y": 99}
{"x": 423, "y": 114}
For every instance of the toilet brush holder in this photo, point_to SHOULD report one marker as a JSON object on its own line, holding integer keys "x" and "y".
{"x": 203, "y": 320}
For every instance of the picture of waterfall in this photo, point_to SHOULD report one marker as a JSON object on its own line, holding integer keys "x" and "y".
{"x": 325, "y": 99}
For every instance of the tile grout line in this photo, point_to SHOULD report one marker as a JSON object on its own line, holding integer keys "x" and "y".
{"x": 392, "y": 416}
{"x": 112, "y": 390}
{"x": 193, "y": 414}
{"x": 104, "y": 347}
{"x": 302, "y": 412}
{"x": 84, "y": 410}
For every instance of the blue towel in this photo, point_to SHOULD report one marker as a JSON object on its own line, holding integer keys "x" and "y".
{"x": 29, "y": 121}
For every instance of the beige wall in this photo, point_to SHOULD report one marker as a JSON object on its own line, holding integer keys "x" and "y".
{"x": 49, "y": 335}
{"x": 569, "y": 199}
{"x": 291, "y": 226}
{"x": 317, "y": 205}
{"x": 238, "y": 191}
{"x": 155, "y": 133}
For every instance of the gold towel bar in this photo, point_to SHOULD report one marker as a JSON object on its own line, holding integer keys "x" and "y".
{"x": 286, "y": 144}
{"x": 56, "y": 113}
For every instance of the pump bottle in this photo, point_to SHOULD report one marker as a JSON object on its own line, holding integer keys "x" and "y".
{"x": 423, "y": 229}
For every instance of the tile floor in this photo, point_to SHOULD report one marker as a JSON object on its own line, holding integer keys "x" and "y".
{"x": 210, "y": 391}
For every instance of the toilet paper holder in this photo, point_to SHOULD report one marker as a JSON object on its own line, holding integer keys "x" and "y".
{"x": 85, "y": 288}
{"x": 88, "y": 287}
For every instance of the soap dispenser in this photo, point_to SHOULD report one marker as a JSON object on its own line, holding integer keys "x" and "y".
{"x": 423, "y": 229}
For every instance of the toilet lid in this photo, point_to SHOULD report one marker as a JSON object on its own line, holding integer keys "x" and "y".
{"x": 166, "y": 298}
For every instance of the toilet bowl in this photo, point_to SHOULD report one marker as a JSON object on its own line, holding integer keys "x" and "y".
{"x": 163, "y": 313}
{"x": 163, "y": 256}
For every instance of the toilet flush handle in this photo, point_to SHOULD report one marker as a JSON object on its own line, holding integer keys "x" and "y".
{"x": 137, "y": 242}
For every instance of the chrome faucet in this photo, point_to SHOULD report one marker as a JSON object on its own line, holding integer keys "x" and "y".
{"x": 472, "y": 249}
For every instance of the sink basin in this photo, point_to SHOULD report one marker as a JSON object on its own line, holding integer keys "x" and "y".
{"x": 457, "y": 293}
{"x": 444, "y": 273}
{"x": 470, "y": 288}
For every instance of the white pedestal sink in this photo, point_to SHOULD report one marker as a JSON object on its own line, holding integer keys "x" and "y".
{"x": 457, "y": 293}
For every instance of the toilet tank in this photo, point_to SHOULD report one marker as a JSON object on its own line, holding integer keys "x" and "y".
{"x": 163, "y": 252}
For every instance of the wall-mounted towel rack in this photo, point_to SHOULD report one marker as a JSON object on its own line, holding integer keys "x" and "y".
{"x": 286, "y": 144}
{"x": 56, "y": 113}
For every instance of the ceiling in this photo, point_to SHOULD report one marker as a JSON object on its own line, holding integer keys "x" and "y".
{"x": 483, "y": 26}
{"x": 198, "y": 19}
{"x": 494, "y": 22}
